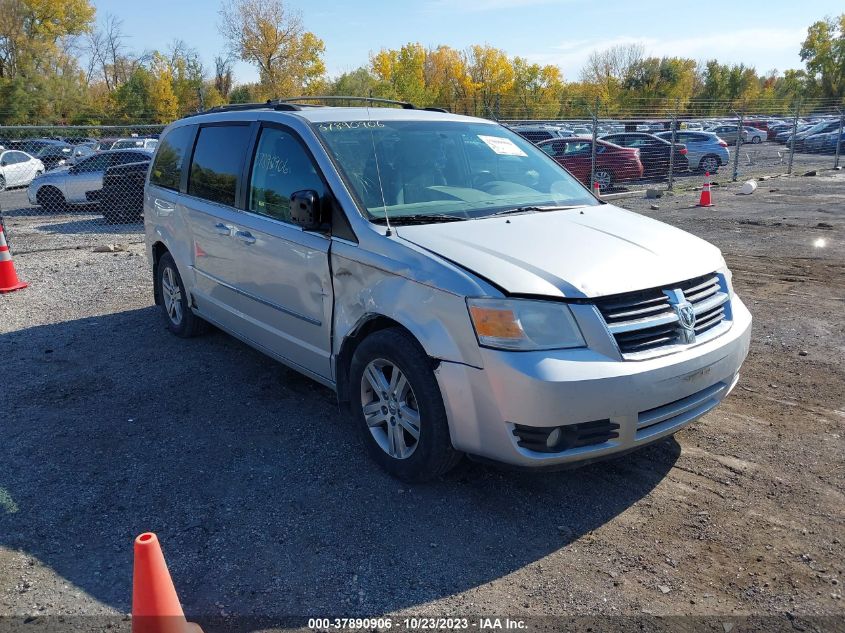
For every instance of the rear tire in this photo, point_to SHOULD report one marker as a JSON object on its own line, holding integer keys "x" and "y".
{"x": 51, "y": 199}
{"x": 175, "y": 308}
{"x": 412, "y": 447}
{"x": 604, "y": 178}
{"x": 710, "y": 163}
{"x": 756, "y": 139}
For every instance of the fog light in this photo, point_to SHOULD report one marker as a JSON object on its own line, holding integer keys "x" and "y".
{"x": 554, "y": 438}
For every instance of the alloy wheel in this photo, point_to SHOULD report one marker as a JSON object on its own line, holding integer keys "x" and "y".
{"x": 172, "y": 296}
{"x": 390, "y": 408}
{"x": 604, "y": 178}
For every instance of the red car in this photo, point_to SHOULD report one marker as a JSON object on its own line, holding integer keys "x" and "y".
{"x": 614, "y": 164}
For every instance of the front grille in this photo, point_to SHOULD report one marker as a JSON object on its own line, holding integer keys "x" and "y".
{"x": 647, "y": 321}
{"x": 572, "y": 435}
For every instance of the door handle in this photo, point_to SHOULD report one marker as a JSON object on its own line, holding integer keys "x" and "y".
{"x": 162, "y": 207}
{"x": 223, "y": 229}
{"x": 245, "y": 236}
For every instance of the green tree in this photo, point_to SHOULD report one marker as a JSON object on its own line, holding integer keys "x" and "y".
{"x": 824, "y": 55}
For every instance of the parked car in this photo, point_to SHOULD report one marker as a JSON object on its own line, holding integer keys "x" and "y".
{"x": 82, "y": 150}
{"x": 822, "y": 127}
{"x": 17, "y": 169}
{"x": 139, "y": 143}
{"x": 753, "y": 135}
{"x": 825, "y": 143}
{"x": 34, "y": 145}
{"x": 80, "y": 183}
{"x": 537, "y": 133}
{"x": 122, "y": 195}
{"x": 614, "y": 164}
{"x": 727, "y": 132}
{"x": 105, "y": 144}
{"x": 460, "y": 291}
{"x": 705, "y": 150}
{"x": 55, "y": 155}
{"x": 655, "y": 152}
{"x": 784, "y": 136}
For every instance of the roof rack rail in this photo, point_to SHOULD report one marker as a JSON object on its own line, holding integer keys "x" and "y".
{"x": 291, "y": 104}
{"x": 239, "y": 107}
{"x": 404, "y": 104}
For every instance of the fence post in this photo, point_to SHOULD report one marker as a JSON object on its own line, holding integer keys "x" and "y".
{"x": 839, "y": 139}
{"x": 672, "y": 149}
{"x": 595, "y": 114}
{"x": 739, "y": 129}
{"x": 792, "y": 139}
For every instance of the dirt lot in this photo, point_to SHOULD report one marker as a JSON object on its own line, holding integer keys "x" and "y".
{"x": 258, "y": 489}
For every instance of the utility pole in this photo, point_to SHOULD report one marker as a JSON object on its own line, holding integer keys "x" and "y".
{"x": 595, "y": 114}
{"x": 674, "y": 141}
{"x": 792, "y": 137}
{"x": 739, "y": 130}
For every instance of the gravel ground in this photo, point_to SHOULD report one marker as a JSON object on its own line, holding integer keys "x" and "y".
{"x": 258, "y": 489}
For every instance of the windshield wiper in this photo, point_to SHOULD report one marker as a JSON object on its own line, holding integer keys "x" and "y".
{"x": 529, "y": 208}
{"x": 420, "y": 218}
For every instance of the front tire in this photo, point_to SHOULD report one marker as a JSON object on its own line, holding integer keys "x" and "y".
{"x": 398, "y": 408}
{"x": 176, "y": 310}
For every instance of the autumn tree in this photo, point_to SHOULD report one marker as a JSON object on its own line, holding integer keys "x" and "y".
{"x": 400, "y": 74}
{"x": 823, "y": 52}
{"x": 223, "y": 75}
{"x": 267, "y": 34}
{"x": 608, "y": 69}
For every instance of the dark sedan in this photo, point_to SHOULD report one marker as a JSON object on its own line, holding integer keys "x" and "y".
{"x": 654, "y": 152}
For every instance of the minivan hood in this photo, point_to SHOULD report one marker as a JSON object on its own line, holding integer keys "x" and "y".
{"x": 577, "y": 253}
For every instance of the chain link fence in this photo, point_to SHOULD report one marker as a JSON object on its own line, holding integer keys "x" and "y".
{"x": 68, "y": 187}
{"x": 76, "y": 187}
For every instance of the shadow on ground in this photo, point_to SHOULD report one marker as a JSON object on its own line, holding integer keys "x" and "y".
{"x": 254, "y": 481}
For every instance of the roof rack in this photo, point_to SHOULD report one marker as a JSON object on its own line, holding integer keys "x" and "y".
{"x": 294, "y": 103}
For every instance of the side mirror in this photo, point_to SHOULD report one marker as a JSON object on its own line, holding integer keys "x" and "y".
{"x": 305, "y": 209}
{"x": 3, "y": 163}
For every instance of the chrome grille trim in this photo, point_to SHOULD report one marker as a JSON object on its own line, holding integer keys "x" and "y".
{"x": 646, "y": 323}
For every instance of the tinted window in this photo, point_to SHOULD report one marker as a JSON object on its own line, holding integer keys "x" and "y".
{"x": 95, "y": 163}
{"x": 121, "y": 158}
{"x": 174, "y": 147}
{"x": 281, "y": 167}
{"x": 536, "y": 137}
{"x": 218, "y": 160}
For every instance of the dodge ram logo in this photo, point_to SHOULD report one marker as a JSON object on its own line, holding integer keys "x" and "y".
{"x": 686, "y": 319}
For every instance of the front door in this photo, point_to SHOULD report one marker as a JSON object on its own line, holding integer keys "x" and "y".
{"x": 282, "y": 271}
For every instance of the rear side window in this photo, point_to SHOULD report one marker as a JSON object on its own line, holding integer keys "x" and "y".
{"x": 217, "y": 163}
{"x": 167, "y": 168}
{"x": 535, "y": 137}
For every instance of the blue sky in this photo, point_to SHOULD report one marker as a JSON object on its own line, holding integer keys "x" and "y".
{"x": 764, "y": 34}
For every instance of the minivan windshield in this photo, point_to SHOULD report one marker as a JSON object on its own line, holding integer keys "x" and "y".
{"x": 449, "y": 169}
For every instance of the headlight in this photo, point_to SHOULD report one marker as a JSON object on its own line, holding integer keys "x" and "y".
{"x": 524, "y": 325}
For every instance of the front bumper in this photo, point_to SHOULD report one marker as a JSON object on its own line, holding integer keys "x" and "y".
{"x": 647, "y": 399}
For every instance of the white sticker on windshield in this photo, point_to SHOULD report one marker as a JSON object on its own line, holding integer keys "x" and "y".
{"x": 503, "y": 146}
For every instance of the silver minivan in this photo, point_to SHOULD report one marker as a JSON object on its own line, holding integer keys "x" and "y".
{"x": 461, "y": 292}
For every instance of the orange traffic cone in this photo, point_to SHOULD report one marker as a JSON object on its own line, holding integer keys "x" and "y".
{"x": 706, "y": 200}
{"x": 8, "y": 277}
{"x": 596, "y": 189}
{"x": 155, "y": 605}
